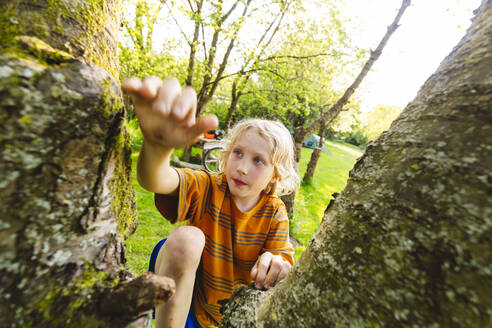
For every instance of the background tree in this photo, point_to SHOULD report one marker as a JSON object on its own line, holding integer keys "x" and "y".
{"x": 379, "y": 119}
{"x": 313, "y": 161}
{"x": 301, "y": 132}
{"x": 408, "y": 240}
{"x": 297, "y": 76}
{"x": 224, "y": 22}
{"x": 143, "y": 51}
{"x": 67, "y": 199}
{"x": 140, "y": 28}
{"x": 251, "y": 63}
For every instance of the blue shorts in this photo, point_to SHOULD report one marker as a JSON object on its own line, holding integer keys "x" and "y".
{"x": 191, "y": 321}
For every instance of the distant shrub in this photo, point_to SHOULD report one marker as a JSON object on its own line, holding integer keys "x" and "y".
{"x": 355, "y": 137}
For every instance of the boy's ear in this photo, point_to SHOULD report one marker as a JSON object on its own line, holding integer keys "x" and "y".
{"x": 273, "y": 184}
{"x": 274, "y": 179}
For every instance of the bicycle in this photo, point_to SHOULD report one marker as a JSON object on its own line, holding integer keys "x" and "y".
{"x": 211, "y": 152}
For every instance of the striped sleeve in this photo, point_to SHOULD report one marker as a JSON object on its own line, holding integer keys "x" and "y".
{"x": 194, "y": 188}
{"x": 277, "y": 241}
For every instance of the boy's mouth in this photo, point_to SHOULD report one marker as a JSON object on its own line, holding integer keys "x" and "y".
{"x": 239, "y": 182}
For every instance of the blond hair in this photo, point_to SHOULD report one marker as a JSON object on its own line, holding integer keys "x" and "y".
{"x": 282, "y": 157}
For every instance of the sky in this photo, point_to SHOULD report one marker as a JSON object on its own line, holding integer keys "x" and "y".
{"x": 429, "y": 29}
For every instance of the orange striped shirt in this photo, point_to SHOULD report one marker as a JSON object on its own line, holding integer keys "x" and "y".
{"x": 234, "y": 239}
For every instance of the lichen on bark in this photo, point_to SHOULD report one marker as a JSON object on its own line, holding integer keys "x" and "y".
{"x": 65, "y": 163}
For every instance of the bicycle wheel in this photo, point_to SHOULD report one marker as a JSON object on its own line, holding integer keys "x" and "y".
{"x": 211, "y": 159}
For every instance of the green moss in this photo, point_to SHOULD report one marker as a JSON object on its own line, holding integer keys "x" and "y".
{"x": 112, "y": 102}
{"x": 71, "y": 305}
{"x": 80, "y": 29}
{"x": 42, "y": 50}
{"x": 121, "y": 186}
{"x": 94, "y": 17}
{"x": 10, "y": 25}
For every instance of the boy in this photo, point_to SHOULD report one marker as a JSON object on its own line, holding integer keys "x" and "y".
{"x": 238, "y": 230}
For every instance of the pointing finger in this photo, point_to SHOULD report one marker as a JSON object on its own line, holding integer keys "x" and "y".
{"x": 131, "y": 85}
{"x": 205, "y": 123}
{"x": 167, "y": 93}
{"x": 185, "y": 106}
{"x": 150, "y": 87}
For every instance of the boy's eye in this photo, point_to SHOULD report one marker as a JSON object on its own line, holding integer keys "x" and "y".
{"x": 258, "y": 160}
{"x": 237, "y": 152}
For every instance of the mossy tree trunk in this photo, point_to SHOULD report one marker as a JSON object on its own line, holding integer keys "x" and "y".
{"x": 67, "y": 200}
{"x": 408, "y": 241}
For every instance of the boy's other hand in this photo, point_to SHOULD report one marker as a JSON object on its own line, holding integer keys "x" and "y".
{"x": 269, "y": 270}
{"x": 166, "y": 112}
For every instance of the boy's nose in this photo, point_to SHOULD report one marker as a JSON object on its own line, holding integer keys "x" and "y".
{"x": 242, "y": 169}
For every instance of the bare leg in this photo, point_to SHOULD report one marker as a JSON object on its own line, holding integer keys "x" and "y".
{"x": 179, "y": 258}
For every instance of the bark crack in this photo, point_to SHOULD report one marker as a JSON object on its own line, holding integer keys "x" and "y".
{"x": 114, "y": 130}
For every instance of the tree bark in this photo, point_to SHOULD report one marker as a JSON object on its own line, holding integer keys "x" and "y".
{"x": 65, "y": 183}
{"x": 301, "y": 132}
{"x": 232, "y": 107}
{"x": 407, "y": 243}
{"x": 133, "y": 297}
{"x": 194, "y": 43}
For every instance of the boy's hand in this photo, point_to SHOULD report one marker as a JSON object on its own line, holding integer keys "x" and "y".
{"x": 166, "y": 112}
{"x": 269, "y": 270}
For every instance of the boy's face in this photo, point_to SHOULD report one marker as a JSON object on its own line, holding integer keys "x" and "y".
{"x": 249, "y": 170}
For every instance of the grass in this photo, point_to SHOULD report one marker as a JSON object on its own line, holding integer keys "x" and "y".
{"x": 331, "y": 176}
{"x": 152, "y": 227}
{"x": 312, "y": 198}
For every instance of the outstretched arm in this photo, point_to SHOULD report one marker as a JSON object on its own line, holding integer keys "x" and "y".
{"x": 166, "y": 114}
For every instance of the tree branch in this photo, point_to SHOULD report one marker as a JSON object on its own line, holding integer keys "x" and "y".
{"x": 179, "y": 26}
{"x": 246, "y": 72}
{"x": 130, "y": 299}
{"x": 151, "y": 24}
{"x": 193, "y": 44}
{"x": 204, "y": 95}
{"x": 302, "y": 132}
{"x": 203, "y": 41}
{"x": 176, "y": 162}
{"x": 139, "y": 24}
{"x": 223, "y": 18}
{"x": 282, "y": 15}
{"x": 298, "y": 57}
{"x": 130, "y": 32}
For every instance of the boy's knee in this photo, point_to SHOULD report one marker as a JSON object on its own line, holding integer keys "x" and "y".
{"x": 185, "y": 246}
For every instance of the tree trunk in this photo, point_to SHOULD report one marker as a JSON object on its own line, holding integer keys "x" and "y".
{"x": 301, "y": 132}
{"x": 313, "y": 162}
{"x": 194, "y": 44}
{"x": 289, "y": 199}
{"x": 235, "y": 95}
{"x": 407, "y": 243}
{"x": 65, "y": 183}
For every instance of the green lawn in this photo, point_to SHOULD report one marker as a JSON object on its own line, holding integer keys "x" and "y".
{"x": 330, "y": 176}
